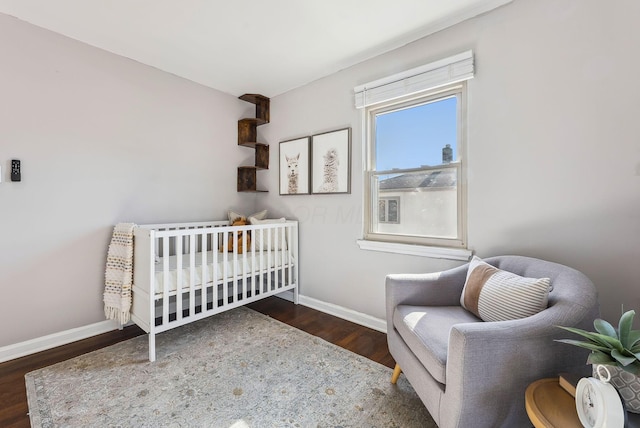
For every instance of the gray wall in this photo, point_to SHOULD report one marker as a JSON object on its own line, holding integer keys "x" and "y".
{"x": 102, "y": 139}
{"x": 553, "y": 151}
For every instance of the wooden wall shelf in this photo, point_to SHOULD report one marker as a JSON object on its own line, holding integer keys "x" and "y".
{"x": 248, "y": 137}
{"x": 262, "y": 105}
{"x": 248, "y": 179}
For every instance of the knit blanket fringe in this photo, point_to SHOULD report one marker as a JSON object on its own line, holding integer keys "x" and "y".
{"x": 118, "y": 274}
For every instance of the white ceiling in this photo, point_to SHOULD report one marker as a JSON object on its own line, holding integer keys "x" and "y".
{"x": 247, "y": 46}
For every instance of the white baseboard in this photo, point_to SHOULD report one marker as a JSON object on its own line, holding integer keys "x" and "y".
{"x": 43, "y": 343}
{"x": 342, "y": 312}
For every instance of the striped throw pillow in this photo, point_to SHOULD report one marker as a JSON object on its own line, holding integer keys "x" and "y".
{"x": 497, "y": 295}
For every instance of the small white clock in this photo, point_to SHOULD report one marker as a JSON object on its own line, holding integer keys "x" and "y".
{"x": 598, "y": 403}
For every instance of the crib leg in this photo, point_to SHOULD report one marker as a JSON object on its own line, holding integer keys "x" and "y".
{"x": 295, "y": 295}
{"x": 120, "y": 326}
{"x": 152, "y": 347}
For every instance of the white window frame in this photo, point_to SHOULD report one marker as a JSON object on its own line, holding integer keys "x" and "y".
{"x": 370, "y": 200}
{"x": 429, "y": 79}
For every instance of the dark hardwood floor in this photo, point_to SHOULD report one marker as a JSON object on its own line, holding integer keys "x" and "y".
{"x": 356, "y": 338}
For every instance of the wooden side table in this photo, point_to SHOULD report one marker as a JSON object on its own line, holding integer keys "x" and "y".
{"x": 550, "y": 406}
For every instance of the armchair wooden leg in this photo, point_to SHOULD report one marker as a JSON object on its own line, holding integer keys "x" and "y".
{"x": 396, "y": 374}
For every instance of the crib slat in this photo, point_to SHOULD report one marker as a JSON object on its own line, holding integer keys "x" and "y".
{"x": 269, "y": 255}
{"x": 234, "y": 268}
{"x": 281, "y": 255}
{"x": 262, "y": 267}
{"x": 281, "y": 283}
{"x": 225, "y": 267}
{"x": 192, "y": 275}
{"x": 289, "y": 251}
{"x": 245, "y": 292}
{"x": 295, "y": 260}
{"x": 151, "y": 284}
{"x": 216, "y": 269}
{"x": 285, "y": 250}
{"x": 178, "y": 279}
{"x": 252, "y": 265}
{"x": 205, "y": 271}
{"x": 275, "y": 259}
{"x": 165, "y": 282}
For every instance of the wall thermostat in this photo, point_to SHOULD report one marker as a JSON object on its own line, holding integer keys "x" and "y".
{"x": 16, "y": 175}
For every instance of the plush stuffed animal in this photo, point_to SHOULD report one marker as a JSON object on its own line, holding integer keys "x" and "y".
{"x": 241, "y": 236}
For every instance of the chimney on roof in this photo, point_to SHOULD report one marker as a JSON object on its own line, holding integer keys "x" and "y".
{"x": 447, "y": 154}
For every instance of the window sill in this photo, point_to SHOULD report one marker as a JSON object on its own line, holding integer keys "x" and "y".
{"x": 416, "y": 250}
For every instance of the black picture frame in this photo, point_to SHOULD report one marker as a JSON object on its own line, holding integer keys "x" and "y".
{"x": 331, "y": 162}
{"x": 294, "y": 166}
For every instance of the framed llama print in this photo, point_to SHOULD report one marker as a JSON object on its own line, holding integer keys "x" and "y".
{"x": 331, "y": 162}
{"x": 294, "y": 167}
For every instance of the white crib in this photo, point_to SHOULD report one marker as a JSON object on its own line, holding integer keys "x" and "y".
{"x": 184, "y": 272}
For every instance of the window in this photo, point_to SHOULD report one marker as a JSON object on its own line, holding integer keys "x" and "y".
{"x": 415, "y": 171}
{"x": 388, "y": 210}
{"x": 415, "y": 168}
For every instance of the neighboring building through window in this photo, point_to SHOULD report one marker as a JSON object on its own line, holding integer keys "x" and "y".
{"x": 388, "y": 210}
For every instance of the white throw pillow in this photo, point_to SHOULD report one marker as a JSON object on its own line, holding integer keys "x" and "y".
{"x": 233, "y": 216}
{"x": 264, "y": 241}
{"x": 497, "y": 295}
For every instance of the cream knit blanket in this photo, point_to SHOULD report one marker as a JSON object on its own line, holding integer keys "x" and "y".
{"x": 118, "y": 275}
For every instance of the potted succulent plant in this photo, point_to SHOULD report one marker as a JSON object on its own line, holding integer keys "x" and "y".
{"x": 619, "y": 348}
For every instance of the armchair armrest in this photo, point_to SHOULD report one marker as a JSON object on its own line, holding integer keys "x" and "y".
{"x": 428, "y": 289}
{"x": 488, "y": 361}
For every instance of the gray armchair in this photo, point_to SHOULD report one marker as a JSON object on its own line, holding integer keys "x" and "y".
{"x": 471, "y": 373}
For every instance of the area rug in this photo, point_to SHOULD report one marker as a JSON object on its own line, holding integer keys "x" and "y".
{"x": 237, "y": 369}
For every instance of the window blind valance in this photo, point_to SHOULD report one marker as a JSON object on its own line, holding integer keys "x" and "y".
{"x": 429, "y": 76}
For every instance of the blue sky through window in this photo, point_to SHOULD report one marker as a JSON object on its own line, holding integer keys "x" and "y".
{"x": 415, "y": 136}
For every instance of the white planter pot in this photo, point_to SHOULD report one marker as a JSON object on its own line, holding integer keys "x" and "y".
{"x": 627, "y": 384}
